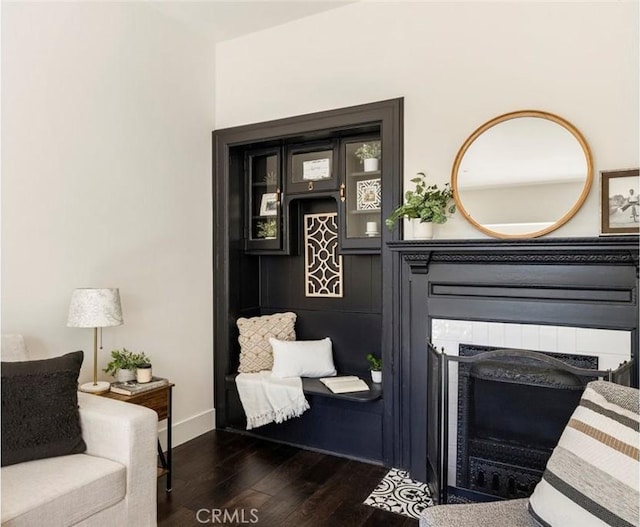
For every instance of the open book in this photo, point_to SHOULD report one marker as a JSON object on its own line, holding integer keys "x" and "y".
{"x": 345, "y": 384}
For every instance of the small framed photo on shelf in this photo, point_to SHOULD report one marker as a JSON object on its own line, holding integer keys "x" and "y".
{"x": 619, "y": 207}
{"x": 269, "y": 204}
{"x": 369, "y": 194}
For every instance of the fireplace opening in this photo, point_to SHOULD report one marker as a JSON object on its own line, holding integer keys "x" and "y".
{"x": 511, "y": 413}
{"x": 522, "y": 414}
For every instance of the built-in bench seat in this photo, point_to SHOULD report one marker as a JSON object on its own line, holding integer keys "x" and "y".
{"x": 315, "y": 387}
{"x": 348, "y": 424}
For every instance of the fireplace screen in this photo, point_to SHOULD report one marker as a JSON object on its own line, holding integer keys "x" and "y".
{"x": 511, "y": 413}
{"x": 512, "y": 407}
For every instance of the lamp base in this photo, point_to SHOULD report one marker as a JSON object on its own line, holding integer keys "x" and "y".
{"x": 99, "y": 387}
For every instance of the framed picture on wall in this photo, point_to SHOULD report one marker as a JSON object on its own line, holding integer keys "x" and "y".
{"x": 619, "y": 207}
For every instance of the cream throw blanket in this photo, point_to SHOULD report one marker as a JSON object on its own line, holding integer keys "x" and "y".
{"x": 267, "y": 399}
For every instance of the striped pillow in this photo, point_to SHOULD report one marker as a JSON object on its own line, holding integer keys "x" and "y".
{"x": 592, "y": 476}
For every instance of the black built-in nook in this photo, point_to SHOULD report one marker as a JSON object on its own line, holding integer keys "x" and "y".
{"x": 269, "y": 180}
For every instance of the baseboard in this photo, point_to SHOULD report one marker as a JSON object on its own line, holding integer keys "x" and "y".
{"x": 188, "y": 429}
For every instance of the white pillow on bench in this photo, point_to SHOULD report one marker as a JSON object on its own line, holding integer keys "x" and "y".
{"x": 302, "y": 358}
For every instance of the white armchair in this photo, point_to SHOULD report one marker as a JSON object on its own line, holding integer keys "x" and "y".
{"x": 112, "y": 483}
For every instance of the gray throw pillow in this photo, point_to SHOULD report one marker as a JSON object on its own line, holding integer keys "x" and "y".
{"x": 40, "y": 416}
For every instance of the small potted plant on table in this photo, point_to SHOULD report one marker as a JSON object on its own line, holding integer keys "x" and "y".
{"x": 425, "y": 205}
{"x": 375, "y": 365}
{"x": 124, "y": 364}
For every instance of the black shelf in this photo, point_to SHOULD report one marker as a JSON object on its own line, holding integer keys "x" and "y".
{"x": 362, "y": 174}
{"x": 365, "y": 211}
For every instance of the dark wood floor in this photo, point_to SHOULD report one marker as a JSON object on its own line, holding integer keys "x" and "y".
{"x": 283, "y": 485}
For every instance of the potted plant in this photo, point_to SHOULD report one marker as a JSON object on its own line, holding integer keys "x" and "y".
{"x": 375, "y": 365}
{"x": 144, "y": 373}
{"x": 124, "y": 363}
{"x": 268, "y": 229}
{"x": 425, "y": 205}
{"x": 369, "y": 154}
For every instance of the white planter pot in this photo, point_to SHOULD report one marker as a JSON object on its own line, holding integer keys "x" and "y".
{"x": 422, "y": 230}
{"x": 371, "y": 165}
{"x": 376, "y": 376}
{"x": 144, "y": 374}
{"x": 125, "y": 375}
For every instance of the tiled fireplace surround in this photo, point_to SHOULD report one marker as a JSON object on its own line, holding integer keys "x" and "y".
{"x": 577, "y": 295}
{"x": 612, "y": 347}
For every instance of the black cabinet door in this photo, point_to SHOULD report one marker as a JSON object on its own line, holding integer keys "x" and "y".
{"x": 361, "y": 194}
{"x": 265, "y": 225}
{"x": 312, "y": 167}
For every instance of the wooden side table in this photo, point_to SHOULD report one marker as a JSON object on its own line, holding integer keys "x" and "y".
{"x": 159, "y": 400}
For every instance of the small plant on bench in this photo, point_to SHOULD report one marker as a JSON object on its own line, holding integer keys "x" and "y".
{"x": 375, "y": 365}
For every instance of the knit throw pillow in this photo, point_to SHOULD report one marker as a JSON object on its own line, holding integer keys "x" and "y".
{"x": 592, "y": 476}
{"x": 40, "y": 416}
{"x": 255, "y": 350}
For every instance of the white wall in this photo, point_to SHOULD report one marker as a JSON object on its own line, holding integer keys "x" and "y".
{"x": 457, "y": 65}
{"x": 107, "y": 111}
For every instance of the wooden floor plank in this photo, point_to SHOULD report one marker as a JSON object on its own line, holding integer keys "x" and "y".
{"x": 288, "y": 472}
{"x": 350, "y": 514}
{"x": 277, "y": 485}
{"x": 331, "y": 495}
{"x": 279, "y": 509}
{"x": 380, "y": 518}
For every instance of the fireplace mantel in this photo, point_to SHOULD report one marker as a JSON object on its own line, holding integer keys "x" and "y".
{"x": 573, "y": 282}
{"x": 618, "y": 250}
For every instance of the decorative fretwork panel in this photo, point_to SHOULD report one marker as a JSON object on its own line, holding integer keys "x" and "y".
{"x": 323, "y": 265}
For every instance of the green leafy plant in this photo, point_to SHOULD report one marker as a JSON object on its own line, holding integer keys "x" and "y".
{"x": 268, "y": 228}
{"x": 368, "y": 151}
{"x": 427, "y": 203}
{"x": 375, "y": 364}
{"x": 125, "y": 360}
{"x": 271, "y": 178}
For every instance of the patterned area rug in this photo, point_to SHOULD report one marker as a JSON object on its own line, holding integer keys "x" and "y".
{"x": 400, "y": 494}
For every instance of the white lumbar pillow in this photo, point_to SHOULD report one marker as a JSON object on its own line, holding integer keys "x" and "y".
{"x": 302, "y": 358}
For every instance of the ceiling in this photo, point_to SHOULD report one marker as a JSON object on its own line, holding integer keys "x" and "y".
{"x": 225, "y": 20}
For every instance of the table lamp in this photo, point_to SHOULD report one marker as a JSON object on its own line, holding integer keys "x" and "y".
{"x": 95, "y": 308}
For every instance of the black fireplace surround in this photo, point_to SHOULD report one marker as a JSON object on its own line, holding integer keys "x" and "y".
{"x": 574, "y": 282}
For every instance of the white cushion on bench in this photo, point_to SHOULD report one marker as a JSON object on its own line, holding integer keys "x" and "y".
{"x": 60, "y": 490}
{"x": 302, "y": 358}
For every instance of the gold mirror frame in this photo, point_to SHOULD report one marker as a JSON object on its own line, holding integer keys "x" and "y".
{"x": 515, "y": 115}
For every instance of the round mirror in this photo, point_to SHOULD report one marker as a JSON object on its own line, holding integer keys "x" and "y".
{"x": 522, "y": 174}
